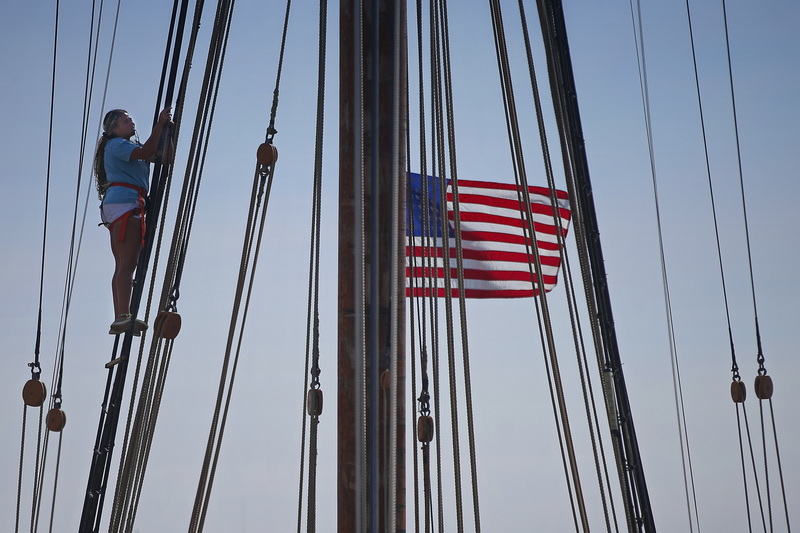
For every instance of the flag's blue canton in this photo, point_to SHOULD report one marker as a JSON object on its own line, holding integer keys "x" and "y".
{"x": 414, "y": 225}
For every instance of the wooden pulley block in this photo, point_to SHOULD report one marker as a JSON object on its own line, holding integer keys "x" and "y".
{"x": 171, "y": 326}
{"x": 425, "y": 428}
{"x": 314, "y": 402}
{"x": 266, "y": 154}
{"x": 56, "y": 420}
{"x": 386, "y": 380}
{"x": 33, "y": 393}
{"x": 763, "y": 387}
{"x": 167, "y": 325}
{"x": 738, "y": 392}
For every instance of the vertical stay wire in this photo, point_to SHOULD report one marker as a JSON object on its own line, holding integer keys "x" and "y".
{"x": 74, "y": 250}
{"x": 19, "y": 478}
{"x": 572, "y": 477}
{"x": 360, "y": 274}
{"x": 451, "y": 137}
{"x": 312, "y": 369}
{"x": 74, "y": 253}
{"x": 437, "y": 60}
{"x": 271, "y": 131}
{"x": 762, "y": 371}
{"x": 176, "y": 22}
{"x": 680, "y": 413}
{"x": 638, "y": 507}
{"x": 437, "y": 171}
{"x": 397, "y": 404}
{"x": 140, "y": 424}
{"x": 373, "y": 349}
{"x": 417, "y": 309}
{"x": 109, "y": 419}
{"x": 590, "y": 403}
{"x": 35, "y": 366}
{"x": 734, "y": 366}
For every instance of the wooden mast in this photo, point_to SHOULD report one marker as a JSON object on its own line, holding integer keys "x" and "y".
{"x": 371, "y": 311}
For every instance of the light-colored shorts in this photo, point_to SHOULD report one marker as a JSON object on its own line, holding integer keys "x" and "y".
{"x": 111, "y": 212}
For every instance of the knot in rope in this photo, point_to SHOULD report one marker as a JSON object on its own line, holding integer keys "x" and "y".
{"x": 315, "y": 372}
{"x": 271, "y": 131}
{"x": 735, "y": 372}
{"x": 36, "y": 369}
{"x": 424, "y": 403}
{"x": 762, "y": 370}
{"x": 174, "y": 294}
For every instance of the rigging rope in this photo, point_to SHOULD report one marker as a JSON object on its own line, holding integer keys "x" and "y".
{"x": 763, "y": 383}
{"x": 312, "y": 393}
{"x": 101, "y": 460}
{"x": 262, "y": 187}
{"x": 737, "y": 386}
{"x": 133, "y": 465}
{"x": 439, "y": 169}
{"x": 35, "y": 365}
{"x": 56, "y": 424}
{"x": 638, "y": 510}
{"x": 683, "y": 436}
{"x": 542, "y": 307}
{"x": 423, "y": 395}
{"x": 583, "y": 366}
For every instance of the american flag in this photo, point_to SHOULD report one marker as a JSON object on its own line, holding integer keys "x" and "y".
{"x": 497, "y": 257}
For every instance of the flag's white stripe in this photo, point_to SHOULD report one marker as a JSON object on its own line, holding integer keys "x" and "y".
{"x": 506, "y": 230}
{"x": 485, "y": 245}
{"x": 483, "y": 265}
{"x": 478, "y": 284}
{"x": 507, "y": 194}
{"x": 514, "y": 214}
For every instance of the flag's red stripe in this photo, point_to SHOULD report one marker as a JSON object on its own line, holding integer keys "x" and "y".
{"x": 472, "y": 293}
{"x": 484, "y": 255}
{"x": 476, "y": 274}
{"x": 513, "y": 205}
{"x": 515, "y": 223}
{"x": 487, "y": 237}
{"x": 544, "y": 191}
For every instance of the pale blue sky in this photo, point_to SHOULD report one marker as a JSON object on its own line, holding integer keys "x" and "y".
{"x": 519, "y": 467}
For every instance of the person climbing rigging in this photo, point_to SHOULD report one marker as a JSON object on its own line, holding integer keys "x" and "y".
{"x": 121, "y": 169}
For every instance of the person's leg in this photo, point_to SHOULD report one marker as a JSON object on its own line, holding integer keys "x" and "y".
{"x": 126, "y": 255}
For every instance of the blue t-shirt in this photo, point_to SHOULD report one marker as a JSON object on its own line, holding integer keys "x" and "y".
{"x": 120, "y": 169}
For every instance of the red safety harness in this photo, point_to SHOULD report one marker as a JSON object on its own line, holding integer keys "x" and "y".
{"x": 124, "y": 218}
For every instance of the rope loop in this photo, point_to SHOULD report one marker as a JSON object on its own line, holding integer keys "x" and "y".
{"x": 36, "y": 369}
{"x": 424, "y": 403}
{"x": 735, "y": 372}
{"x": 271, "y": 131}
{"x": 174, "y": 295}
{"x": 315, "y": 372}
{"x": 762, "y": 370}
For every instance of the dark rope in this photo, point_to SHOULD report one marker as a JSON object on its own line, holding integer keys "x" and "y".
{"x": 21, "y": 462}
{"x": 766, "y": 463}
{"x": 753, "y": 464}
{"x": 780, "y": 467}
{"x": 271, "y": 131}
{"x": 760, "y": 355}
{"x": 744, "y": 468}
{"x": 109, "y": 419}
